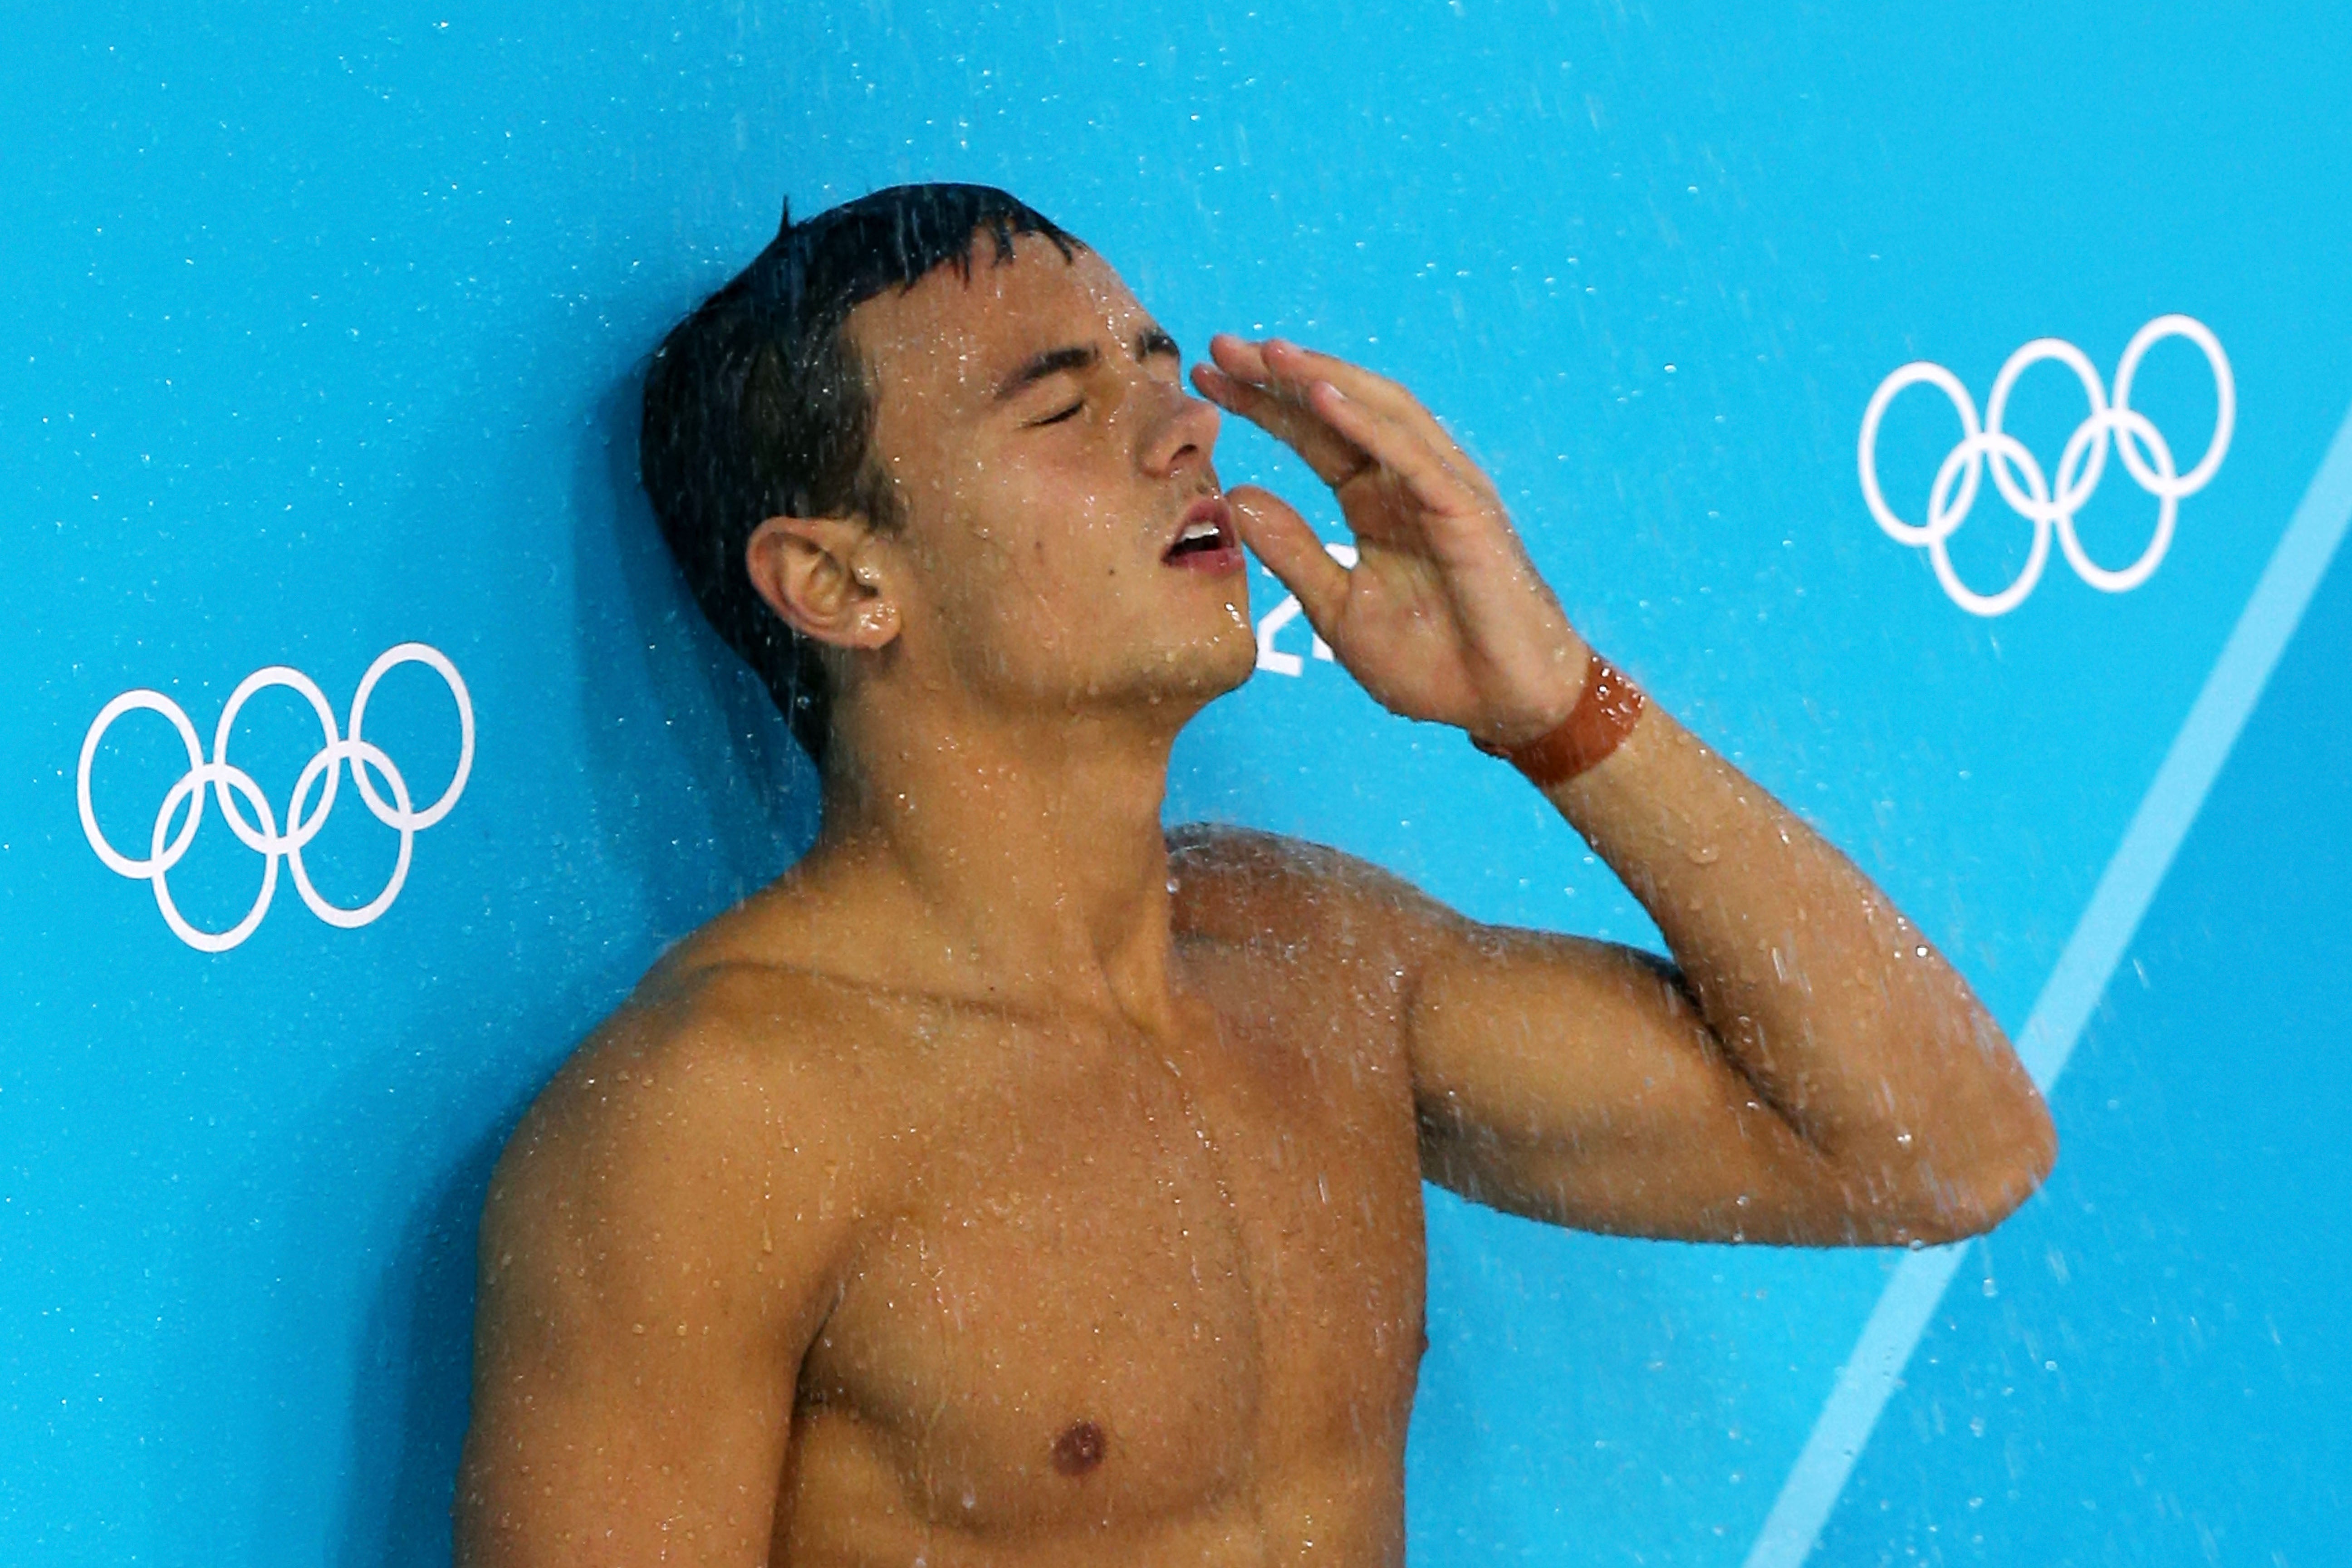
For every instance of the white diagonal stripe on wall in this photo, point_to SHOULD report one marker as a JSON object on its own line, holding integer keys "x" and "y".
{"x": 2126, "y": 888}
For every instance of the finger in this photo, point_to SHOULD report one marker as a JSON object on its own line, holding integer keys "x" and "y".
{"x": 1399, "y": 450}
{"x": 1273, "y": 384}
{"x": 1286, "y": 368}
{"x": 1245, "y": 367}
{"x": 1238, "y": 357}
{"x": 1281, "y": 538}
{"x": 1289, "y": 420}
{"x": 1288, "y": 364}
{"x": 1291, "y": 372}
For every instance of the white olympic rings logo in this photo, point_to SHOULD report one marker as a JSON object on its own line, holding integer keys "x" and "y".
{"x": 165, "y": 848}
{"x": 2145, "y": 456}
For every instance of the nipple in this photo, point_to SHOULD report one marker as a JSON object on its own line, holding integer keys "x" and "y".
{"x": 1079, "y": 1448}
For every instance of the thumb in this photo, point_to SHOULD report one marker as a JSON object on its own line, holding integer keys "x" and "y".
{"x": 1280, "y": 537}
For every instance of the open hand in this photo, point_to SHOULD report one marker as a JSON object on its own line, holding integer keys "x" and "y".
{"x": 1443, "y": 616}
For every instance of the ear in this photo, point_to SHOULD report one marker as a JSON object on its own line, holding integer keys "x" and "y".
{"x": 828, "y": 577}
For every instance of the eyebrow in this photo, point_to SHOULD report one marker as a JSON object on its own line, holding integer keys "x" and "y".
{"x": 1079, "y": 356}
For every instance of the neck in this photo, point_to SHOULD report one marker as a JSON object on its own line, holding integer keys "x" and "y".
{"x": 1018, "y": 859}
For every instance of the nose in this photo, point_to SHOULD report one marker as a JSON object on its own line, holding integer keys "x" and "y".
{"x": 1181, "y": 433}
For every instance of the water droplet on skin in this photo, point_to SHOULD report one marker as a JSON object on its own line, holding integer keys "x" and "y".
{"x": 1702, "y": 853}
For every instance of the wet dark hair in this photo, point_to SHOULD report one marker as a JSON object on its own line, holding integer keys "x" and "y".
{"x": 757, "y": 405}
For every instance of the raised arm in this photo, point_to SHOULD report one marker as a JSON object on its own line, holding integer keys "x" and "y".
{"x": 1809, "y": 1070}
{"x": 653, "y": 1268}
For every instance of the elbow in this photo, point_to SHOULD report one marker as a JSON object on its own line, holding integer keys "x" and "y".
{"x": 2007, "y": 1169}
{"x": 2027, "y": 1152}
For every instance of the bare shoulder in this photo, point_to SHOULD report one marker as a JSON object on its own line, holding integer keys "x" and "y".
{"x": 1332, "y": 951}
{"x": 663, "y": 1238}
{"x": 711, "y": 1112}
{"x": 1245, "y": 886}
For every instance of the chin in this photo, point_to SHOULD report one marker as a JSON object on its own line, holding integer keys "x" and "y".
{"x": 1222, "y": 666}
{"x": 1186, "y": 678}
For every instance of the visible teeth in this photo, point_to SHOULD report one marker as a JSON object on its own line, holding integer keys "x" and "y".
{"x": 1199, "y": 531}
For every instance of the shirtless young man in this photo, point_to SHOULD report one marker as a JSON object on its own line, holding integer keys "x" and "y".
{"x": 1012, "y": 1184}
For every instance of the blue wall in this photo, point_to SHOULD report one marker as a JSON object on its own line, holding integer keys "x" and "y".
{"x": 319, "y": 338}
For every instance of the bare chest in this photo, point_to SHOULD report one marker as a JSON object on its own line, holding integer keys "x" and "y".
{"x": 1135, "y": 1280}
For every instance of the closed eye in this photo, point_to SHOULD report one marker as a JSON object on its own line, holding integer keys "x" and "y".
{"x": 1058, "y": 419}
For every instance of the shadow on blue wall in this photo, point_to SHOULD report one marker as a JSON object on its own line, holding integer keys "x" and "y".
{"x": 669, "y": 708}
{"x": 664, "y": 702}
{"x": 410, "y": 1409}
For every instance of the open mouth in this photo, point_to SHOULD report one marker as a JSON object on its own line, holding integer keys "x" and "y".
{"x": 1207, "y": 541}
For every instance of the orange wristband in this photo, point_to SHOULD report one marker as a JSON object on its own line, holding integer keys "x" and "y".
{"x": 1603, "y": 716}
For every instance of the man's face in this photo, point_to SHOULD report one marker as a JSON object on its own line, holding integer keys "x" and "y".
{"x": 1050, "y": 464}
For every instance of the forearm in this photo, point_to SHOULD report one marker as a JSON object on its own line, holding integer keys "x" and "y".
{"x": 1840, "y": 1019}
{"x": 1845, "y": 1019}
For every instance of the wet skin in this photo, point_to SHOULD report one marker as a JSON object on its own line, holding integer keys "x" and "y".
{"x": 1010, "y": 1183}
{"x": 1086, "y": 1293}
